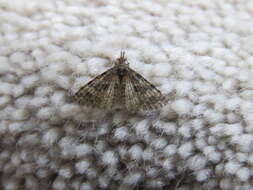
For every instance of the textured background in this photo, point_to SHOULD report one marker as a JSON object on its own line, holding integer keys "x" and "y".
{"x": 197, "y": 52}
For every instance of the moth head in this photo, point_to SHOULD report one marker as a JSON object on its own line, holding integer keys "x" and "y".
{"x": 122, "y": 60}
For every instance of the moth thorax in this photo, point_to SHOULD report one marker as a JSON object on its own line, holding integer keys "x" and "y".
{"x": 121, "y": 71}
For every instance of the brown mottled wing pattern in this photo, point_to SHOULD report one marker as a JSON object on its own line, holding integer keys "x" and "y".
{"x": 99, "y": 92}
{"x": 141, "y": 94}
{"x": 120, "y": 86}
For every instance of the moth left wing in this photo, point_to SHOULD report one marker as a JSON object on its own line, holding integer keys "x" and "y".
{"x": 99, "y": 92}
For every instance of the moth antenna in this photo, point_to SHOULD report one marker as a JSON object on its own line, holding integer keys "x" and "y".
{"x": 122, "y": 59}
{"x": 122, "y": 54}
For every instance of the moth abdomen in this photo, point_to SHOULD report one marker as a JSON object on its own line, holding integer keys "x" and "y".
{"x": 121, "y": 72}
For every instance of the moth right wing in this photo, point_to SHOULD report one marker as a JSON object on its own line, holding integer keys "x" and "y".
{"x": 141, "y": 94}
{"x": 99, "y": 92}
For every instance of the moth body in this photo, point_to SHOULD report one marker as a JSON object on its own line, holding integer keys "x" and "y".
{"x": 120, "y": 87}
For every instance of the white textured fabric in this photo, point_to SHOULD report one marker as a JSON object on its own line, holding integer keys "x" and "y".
{"x": 197, "y": 52}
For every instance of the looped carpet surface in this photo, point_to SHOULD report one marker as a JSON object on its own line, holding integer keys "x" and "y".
{"x": 198, "y": 53}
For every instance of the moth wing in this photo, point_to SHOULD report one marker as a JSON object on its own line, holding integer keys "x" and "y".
{"x": 141, "y": 94}
{"x": 99, "y": 92}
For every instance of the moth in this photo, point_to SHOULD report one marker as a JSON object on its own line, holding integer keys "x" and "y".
{"x": 120, "y": 87}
